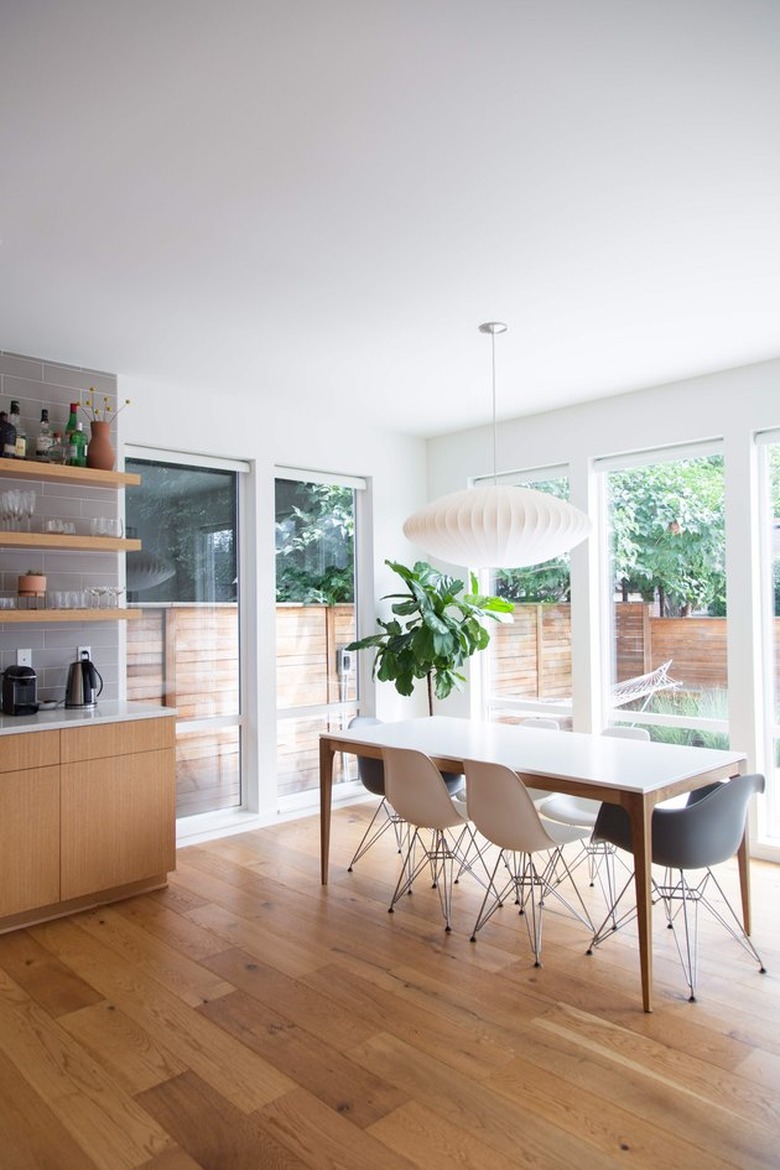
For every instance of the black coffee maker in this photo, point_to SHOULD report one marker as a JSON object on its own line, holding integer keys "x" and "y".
{"x": 20, "y": 684}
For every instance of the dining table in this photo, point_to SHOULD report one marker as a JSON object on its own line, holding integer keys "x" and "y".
{"x": 636, "y": 774}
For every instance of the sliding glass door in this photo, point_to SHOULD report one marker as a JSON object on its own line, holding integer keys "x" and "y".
{"x": 185, "y": 650}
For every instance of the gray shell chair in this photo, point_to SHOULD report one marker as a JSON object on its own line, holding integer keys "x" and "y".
{"x": 371, "y": 774}
{"x": 708, "y": 830}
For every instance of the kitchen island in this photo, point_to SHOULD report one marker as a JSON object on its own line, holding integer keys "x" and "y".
{"x": 87, "y": 813}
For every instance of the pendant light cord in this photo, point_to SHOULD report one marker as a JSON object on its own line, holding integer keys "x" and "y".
{"x": 494, "y": 327}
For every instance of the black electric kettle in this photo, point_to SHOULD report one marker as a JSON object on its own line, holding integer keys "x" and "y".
{"x": 83, "y": 678}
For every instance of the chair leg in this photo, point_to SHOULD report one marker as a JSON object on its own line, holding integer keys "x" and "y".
{"x": 440, "y": 856}
{"x": 387, "y": 819}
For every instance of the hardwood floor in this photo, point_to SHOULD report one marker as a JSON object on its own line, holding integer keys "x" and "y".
{"x": 246, "y": 1018}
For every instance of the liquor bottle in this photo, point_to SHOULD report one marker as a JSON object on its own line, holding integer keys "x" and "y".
{"x": 70, "y": 425}
{"x": 44, "y": 441}
{"x": 15, "y": 419}
{"x": 78, "y": 447}
{"x": 7, "y": 437}
{"x": 58, "y": 452}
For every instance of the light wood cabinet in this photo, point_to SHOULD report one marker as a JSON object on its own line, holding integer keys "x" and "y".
{"x": 29, "y": 839}
{"x": 86, "y": 816}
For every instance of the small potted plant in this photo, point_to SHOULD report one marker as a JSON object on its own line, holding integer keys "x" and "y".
{"x": 32, "y": 583}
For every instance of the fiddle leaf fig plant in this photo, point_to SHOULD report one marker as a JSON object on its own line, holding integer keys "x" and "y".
{"x": 440, "y": 627}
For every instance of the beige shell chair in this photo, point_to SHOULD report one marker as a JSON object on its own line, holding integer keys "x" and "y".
{"x": 439, "y": 833}
{"x": 503, "y": 812}
{"x": 371, "y": 774}
{"x": 708, "y": 830}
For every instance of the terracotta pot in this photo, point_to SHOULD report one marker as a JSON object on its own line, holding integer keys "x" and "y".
{"x": 31, "y": 585}
{"x": 100, "y": 452}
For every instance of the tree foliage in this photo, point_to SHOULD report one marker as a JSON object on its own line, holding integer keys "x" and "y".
{"x": 668, "y": 535}
{"x": 315, "y": 538}
{"x": 442, "y": 628}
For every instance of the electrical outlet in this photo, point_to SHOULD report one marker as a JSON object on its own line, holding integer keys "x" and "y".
{"x": 24, "y": 657}
{"x": 84, "y": 650}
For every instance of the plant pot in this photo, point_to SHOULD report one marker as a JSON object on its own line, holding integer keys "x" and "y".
{"x": 100, "y": 452}
{"x": 31, "y": 585}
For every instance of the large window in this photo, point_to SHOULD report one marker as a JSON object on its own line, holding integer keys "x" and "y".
{"x": 667, "y": 595}
{"x": 528, "y": 660}
{"x": 184, "y": 652}
{"x": 770, "y": 467}
{"x": 315, "y": 621}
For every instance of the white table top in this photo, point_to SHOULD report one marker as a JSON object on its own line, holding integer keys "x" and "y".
{"x": 631, "y": 765}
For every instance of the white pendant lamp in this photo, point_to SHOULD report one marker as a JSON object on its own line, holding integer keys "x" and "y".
{"x": 495, "y": 526}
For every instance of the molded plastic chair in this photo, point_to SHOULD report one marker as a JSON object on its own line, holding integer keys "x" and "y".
{"x": 501, "y": 808}
{"x": 706, "y": 832}
{"x": 579, "y": 810}
{"x": 544, "y": 724}
{"x": 418, "y": 792}
{"x": 371, "y": 774}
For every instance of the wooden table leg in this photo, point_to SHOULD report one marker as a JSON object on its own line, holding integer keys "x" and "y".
{"x": 326, "y": 791}
{"x": 640, "y": 812}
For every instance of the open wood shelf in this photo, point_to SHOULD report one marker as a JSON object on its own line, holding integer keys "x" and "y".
{"x": 59, "y": 473}
{"x": 68, "y": 615}
{"x": 58, "y": 540}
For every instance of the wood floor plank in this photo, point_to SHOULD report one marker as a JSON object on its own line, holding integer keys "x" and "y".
{"x": 461, "y": 1043}
{"x": 326, "y": 1073}
{"x": 503, "y": 1125}
{"x": 170, "y": 924}
{"x": 323, "y": 1138}
{"x": 432, "y": 1142}
{"x": 31, "y": 1134}
{"x": 50, "y": 983}
{"x": 293, "y": 958}
{"x": 232, "y": 1069}
{"x": 216, "y": 1135}
{"x": 105, "y": 1121}
{"x": 308, "y": 1009}
{"x": 190, "y": 981}
{"x": 130, "y": 1054}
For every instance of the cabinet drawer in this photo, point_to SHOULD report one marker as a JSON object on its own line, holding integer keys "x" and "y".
{"x": 117, "y": 739}
{"x": 33, "y": 749}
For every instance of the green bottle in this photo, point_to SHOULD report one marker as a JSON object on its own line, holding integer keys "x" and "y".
{"x": 78, "y": 447}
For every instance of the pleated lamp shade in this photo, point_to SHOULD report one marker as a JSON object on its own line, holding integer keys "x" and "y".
{"x": 497, "y": 527}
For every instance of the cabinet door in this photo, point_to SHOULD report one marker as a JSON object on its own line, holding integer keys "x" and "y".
{"x": 117, "y": 821}
{"x": 29, "y": 838}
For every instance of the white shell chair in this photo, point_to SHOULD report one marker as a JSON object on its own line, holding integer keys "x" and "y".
{"x": 543, "y": 723}
{"x": 578, "y": 810}
{"x": 439, "y": 832}
{"x": 501, "y": 808}
{"x": 371, "y": 774}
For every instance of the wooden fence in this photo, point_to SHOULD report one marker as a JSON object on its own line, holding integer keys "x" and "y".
{"x": 187, "y": 657}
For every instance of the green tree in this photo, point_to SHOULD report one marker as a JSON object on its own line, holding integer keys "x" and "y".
{"x": 315, "y": 537}
{"x": 668, "y": 534}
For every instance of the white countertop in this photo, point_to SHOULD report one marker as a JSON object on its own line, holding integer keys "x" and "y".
{"x": 56, "y": 718}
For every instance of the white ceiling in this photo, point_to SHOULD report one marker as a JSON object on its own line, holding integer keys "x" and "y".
{"x": 320, "y": 200}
